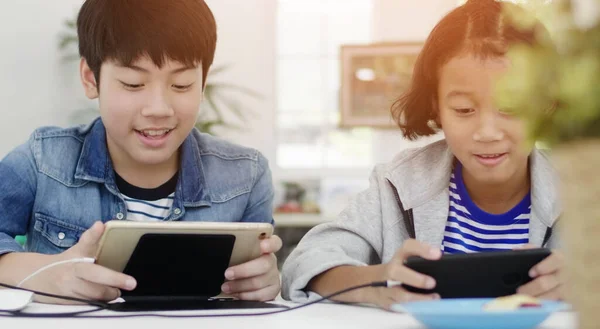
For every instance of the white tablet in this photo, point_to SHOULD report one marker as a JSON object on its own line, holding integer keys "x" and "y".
{"x": 121, "y": 238}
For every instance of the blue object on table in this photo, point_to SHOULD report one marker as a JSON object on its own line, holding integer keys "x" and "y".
{"x": 469, "y": 314}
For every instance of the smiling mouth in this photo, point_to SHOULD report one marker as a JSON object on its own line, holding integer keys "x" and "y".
{"x": 490, "y": 156}
{"x": 490, "y": 159}
{"x": 154, "y": 133}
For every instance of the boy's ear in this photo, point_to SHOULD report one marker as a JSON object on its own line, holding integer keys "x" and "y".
{"x": 88, "y": 80}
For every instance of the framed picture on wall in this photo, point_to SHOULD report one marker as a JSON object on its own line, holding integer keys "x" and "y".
{"x": 373, "y": 77}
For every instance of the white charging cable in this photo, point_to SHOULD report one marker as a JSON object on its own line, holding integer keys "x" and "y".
{"x": 73, "y": 260}
{"x": 392, "y": 283}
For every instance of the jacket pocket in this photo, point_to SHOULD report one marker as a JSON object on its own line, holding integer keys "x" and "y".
{"x": 59, "y": 233}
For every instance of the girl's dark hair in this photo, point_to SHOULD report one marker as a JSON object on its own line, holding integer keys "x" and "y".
{"x": 480, "y": 27}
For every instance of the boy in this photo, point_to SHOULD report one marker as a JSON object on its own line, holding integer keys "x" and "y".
{"x": 146, "y": 61}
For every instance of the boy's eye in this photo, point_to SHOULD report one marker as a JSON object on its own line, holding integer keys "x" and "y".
{"x": 464, "y": 110}
{"x": 183, "y": 87}
{"x": 131, "y": 86}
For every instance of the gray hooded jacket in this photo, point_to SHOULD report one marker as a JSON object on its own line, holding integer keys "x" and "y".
{"x": 372, "y": 228}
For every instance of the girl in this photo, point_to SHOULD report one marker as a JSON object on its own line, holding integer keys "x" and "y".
{"x": 483, "y": 188}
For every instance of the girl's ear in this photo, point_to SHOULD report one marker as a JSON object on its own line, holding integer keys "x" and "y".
{"x": 435, "y": 112}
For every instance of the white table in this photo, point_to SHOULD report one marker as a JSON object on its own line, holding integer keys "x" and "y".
{"x": 312, "y": 317}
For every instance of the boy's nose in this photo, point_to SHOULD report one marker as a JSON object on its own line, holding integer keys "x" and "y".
{"x": 158, "y": 106}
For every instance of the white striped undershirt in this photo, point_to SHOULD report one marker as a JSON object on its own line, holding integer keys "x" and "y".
{"x": 144, "y": 204}
{"x": 470, "y": 229}
{"x": 148, "y": 210}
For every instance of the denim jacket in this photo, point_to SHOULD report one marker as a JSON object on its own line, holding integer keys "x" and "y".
{"x": 61, "y": 181}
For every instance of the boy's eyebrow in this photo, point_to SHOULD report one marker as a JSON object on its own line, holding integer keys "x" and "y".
{"x": 143, "y": 70}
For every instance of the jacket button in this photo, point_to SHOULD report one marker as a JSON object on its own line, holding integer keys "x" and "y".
{"x": 61, "y": 236}
{"x": 177, "y": 211}
{"x": 120, "y": 215}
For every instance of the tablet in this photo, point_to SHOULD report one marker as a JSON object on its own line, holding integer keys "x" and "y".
{"x": 486, "y": 274}
{"x": 121, "y": 238}
{"x": 178, "y": 261}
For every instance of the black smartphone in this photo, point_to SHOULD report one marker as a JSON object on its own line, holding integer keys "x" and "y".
{"x": 487, "y": 274}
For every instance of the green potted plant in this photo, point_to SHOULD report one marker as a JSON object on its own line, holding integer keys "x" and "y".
{"x": 556, "y": 87}
{"x": 219, "y": 110}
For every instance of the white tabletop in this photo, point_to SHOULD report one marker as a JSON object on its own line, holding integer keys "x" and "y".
{"x": 311, "y": 317}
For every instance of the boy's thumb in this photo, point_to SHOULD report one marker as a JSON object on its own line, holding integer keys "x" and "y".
{"x": 88, "y": 243}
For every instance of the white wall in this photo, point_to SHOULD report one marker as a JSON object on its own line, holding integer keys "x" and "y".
{"x": 246, "y": 43}
{"x": 32, "y": 78}
{"x": 408, "y": 20}
{"x": 37, "y": 89}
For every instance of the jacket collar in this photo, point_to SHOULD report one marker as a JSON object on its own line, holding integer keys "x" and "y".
{"x": 422, "y": 176}
{"x": 95, "y": 165}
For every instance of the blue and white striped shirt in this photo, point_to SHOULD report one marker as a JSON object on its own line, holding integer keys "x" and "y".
{"x": 470, "y": 229}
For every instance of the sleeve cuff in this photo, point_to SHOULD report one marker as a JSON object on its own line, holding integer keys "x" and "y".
{"x": 295, "y": 285}
{"x": 8, "y": 245}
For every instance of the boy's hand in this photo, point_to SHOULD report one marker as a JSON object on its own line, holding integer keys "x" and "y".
{"x": 81, "y": 280}
{"x": 257, "y": 279}
{"x": 548, "y": 278}
{"x": 396, "y": 270}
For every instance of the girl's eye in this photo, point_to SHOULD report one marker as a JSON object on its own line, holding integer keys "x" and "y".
{"x": 507, "y": 111}
{"x": 464, "y": 110}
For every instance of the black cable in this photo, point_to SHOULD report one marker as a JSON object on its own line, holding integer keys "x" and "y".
{"x": 77, "y": 315}
{"x": 45, "y": 294}
{"x": 19, "y": 314}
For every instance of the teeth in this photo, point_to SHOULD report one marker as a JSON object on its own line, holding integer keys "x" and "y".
{"x": 154, "y": 133}
{"x": 490, "y": 155}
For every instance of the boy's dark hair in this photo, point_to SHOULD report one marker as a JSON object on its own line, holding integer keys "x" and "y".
{"x": 479, "y": 27}
{"x": 124, "y": 30}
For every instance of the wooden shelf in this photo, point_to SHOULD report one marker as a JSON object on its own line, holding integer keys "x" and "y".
{"x": 300, "y": 219}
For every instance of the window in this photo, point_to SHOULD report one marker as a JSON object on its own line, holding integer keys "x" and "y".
{"x": 310, "y": 33}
